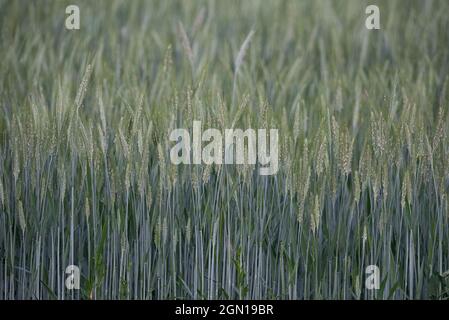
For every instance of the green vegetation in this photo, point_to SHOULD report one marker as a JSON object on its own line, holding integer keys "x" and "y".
{"x": 86, "y": 179}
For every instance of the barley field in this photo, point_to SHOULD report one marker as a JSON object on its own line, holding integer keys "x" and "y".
{"x": 85, "y": 171}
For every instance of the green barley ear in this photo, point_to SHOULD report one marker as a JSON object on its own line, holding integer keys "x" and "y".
{"x": 83, "y": 87}
{"x": 406, "y": 190}
{"x": 189, "y": 108}
{"x": 141, "y": 181}
{"x": 89, "y": 143}
{"x": 239, "y": 61}
{"x": 206, "y": 173}
{"x": 321, "y": 157}
{"x": 240, "y": 110}
{"x": 124, "y": 143}
{"x": 221, "y": 115}
{"x": 16, "y": 166}
{"x": 385, "y": 181}
{"x": 158, "y": 232}
{"x": 300, "y": 213}
{"x": 173, "y": 175}
{"x": 403, "y": 192}
{"x": 382, "y": 222}
{"x": 167, "y": 60}
{"x": 408, "y": 139}
{"x": 378, "y": 134}
{"x": 345, "y": 152}
{"x": 263, "y": 124}
{"x": 316, "y": 216}
{"x": 128, "y": 177}
{"x": 296, "y": 123}
{"x": 103, "y": 140}
{"x": 162, "y": 166}
{"x": 119, "y": 219}
{"x": 364, "y": 167}
{"x": 22, "y": 221}
{"x": 376, "y": 187}
{"x": 62, "y": 179}
{"x": 429, "y": 151}
{"x": 364, "y": 234}
{"x": 140, "y": 147}
{"x": 195, "y": 178}
{"x": 137, "y": 115}
{"x": 102, "y": 112}
{"x": 409, "y": 189}
{"x": 358, "y": 287}
{"x": 188, "y": 231}
{"x": 302, "y": 194}
{"x": 113, "y": 185}
{"x": 164, "y": 230}
{"x": 87, "y": 209}
{"x": 174, "y": 240}
{"x": 335, "y": 130}
{"x": 123, "y": 244}
{"x": 2, "y": 194}
{"x": 439, "y": 132}
{"x": 143, "y": 172}
{"x": 149, "y": 197}
{"x": 356, "y": 188}
{"x": 305, "y": 163}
